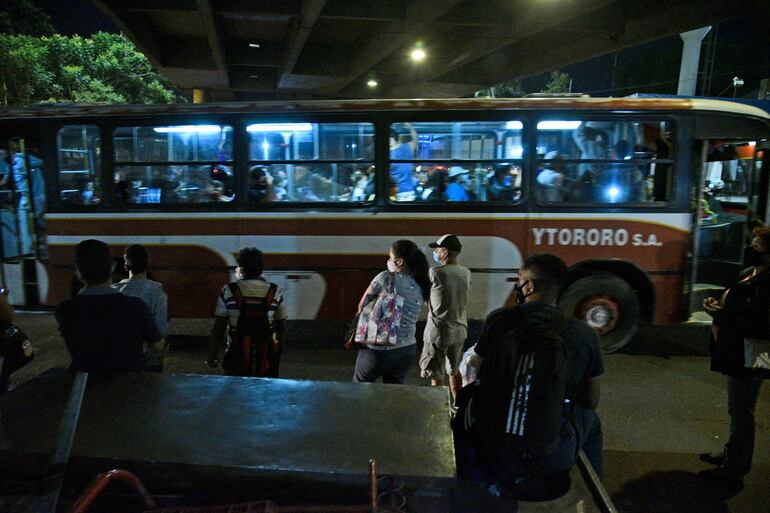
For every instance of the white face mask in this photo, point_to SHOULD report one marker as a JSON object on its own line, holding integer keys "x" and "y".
{"x": 392, "y": 267}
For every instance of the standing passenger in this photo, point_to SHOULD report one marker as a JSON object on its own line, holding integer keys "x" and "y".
{"x": 739, "y": 349}
{"x": 135, "y": 261}
{"x": 403, "y": 147}
{"x": 253, "y": 309}
{"x": 408, "y": 274}
{"x": 104, "y": 330}
{"x": 447, "y": 325}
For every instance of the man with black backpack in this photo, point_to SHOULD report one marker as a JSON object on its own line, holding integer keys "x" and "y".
{"x": 532, "y": 407}
{"x": 253, "y": 309}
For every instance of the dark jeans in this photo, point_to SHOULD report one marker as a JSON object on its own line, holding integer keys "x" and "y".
{"x": 742, "y": 394}
{"x": 391, "y": 364}
{"x": 488, "y": 461}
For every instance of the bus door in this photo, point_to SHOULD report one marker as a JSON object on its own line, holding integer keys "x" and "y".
{"x": 760, "y": 209}
{"x": 728, "y": 201}
{"x": 22, "y": 220}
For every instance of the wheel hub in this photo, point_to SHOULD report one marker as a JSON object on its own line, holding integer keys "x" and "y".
{"x": 601, "y": 312}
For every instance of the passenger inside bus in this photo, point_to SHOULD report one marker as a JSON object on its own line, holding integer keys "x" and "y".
{"x": 260, "y": 185}
{"x": 403, "y": 147}
{"x": 552, "y": 183}
{"x": 455, "y": 189}
{"x": 501, "y": 182}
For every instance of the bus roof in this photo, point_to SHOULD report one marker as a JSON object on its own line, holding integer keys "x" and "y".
{"x": 55, "y": 110}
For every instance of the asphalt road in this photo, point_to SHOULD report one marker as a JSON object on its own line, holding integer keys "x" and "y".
{"x": 660, "y": 407}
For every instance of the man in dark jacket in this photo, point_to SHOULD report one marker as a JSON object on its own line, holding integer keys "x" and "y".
{"x": 105, "y": 330}
{"x": 540, "y": 282}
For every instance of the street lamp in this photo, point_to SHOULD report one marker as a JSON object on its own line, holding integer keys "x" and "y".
{"x": 737, "y": 82}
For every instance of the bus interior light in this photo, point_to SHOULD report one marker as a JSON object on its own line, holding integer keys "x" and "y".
{"x": 280, "y": 127}
{"x": 514, "y": 125}
{"x": 613, "y": 192}
{"x": 558, "y": 125}
{"x": 188, "y": 129}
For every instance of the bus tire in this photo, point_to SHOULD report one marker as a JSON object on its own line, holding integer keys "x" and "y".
{"x": 608, "y": 305}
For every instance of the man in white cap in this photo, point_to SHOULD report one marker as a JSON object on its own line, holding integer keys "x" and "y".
{"x": 447, "y": 325}
{"x": 454, "y": 189}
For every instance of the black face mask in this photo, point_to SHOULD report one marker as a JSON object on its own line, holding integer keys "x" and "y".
{"x": 521, "y": 297}
{"x": 752, "y": 257}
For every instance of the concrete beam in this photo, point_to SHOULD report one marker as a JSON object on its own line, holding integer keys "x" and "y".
{"x": 309, "y": 12}
{"x": 214, "y": 36}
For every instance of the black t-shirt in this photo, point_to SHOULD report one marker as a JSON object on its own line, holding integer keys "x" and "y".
{"x": 583, "y": 348}
{"x": 105, "y": 331}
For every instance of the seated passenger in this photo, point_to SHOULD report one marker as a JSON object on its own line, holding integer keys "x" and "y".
{"x": 260, "y": 185}
{"x": 499, "y": 184}
{"x": 455, "y": 191}
{"x": 360, "y": 182}
{"x": 224, "y": 176}
{"x": 551, "y": 180}
{"x": 279, "y": 186}
{"x": 104, "y": 330}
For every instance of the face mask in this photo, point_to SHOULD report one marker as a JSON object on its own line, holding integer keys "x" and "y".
{"x": 752, "y": 257}
{"x": 392, "y": 267}
{"x": 436, "y": 258}
{"x": 521, "y": 297}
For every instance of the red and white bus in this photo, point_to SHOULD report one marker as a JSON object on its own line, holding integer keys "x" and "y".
{"x": 644, "y": 199}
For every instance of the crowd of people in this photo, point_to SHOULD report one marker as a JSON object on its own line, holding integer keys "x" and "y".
{"x": 524, "y": 395}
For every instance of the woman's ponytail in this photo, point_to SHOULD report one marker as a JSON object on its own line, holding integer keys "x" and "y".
{"x": 416, "y": 262}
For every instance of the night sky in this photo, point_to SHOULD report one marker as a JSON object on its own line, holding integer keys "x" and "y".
{"x": 741, "y": 49}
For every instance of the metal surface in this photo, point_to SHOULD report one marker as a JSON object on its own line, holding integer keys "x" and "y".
{"x": 178, "y": 431}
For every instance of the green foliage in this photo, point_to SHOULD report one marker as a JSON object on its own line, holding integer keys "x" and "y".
{"x": 557, "y": 83}
{"x": 105, "y": 68}
{"x": 24, "y": 17}
{"x": 507, "y": 89}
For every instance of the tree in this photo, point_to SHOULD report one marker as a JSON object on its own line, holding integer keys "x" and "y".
{"x": 508, "y": 89}
{"x": 557, "y": 83}
{"x": 103, "y": 68}
{"x": 24, "y": 17}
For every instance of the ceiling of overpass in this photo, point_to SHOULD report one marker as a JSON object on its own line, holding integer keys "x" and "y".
{"x": 265, "y": 49}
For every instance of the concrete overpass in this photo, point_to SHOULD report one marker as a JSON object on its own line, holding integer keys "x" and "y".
{"x": 246, "y": 49}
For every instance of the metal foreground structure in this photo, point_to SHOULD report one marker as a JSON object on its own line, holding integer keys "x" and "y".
{"x": 215, "y": 439}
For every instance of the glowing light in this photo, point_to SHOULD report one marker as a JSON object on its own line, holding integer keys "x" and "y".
{"x": 188, "y": 129}
{"x": 418, "y": 55}
{"x": 280, "y": 127}
{"x": 558, "y": 125}
{"x": 752, "y": 143}
{"x": 254, "y": 45}
{"x": 515, "y": 125}
{"x": 372, "y": 83}
{"x": 517, "y": 152}
{"x": 613, "y": 192}
{"x": 265, "y": 148}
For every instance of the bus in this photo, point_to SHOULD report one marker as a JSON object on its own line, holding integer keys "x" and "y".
{"x": 647, "y": 200}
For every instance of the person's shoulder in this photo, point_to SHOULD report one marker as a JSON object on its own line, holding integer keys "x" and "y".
{"x": 580, "y": 332}
{"x": 500, "y": 313}
{"x": 156, "y": 286}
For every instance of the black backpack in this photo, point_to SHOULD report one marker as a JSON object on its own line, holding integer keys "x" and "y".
{"x": 252, "y": 351}
{"x": 523, "y": 387}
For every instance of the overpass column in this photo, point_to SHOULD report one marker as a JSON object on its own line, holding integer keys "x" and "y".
{"x": 688, "y": 71}
{"x": 201, "y": 95}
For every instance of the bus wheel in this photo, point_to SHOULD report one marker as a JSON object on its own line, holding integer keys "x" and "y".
{"x": 608, "y": 305}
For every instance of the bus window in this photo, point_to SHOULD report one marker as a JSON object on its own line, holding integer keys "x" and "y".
{"x": 174, "y": 164}
{"x": 464, "y": 161}
{"x": 598, "y": 162}
{"x": 180, "y": 143}
{"x": 318, "y": 162}
{"x": 79, "y": 158}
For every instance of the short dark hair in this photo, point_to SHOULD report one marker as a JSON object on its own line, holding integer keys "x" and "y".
{"x": 93, "y": 261}
{"x": 136, "y": 258}
{"x": 550, "y": 274}
{"x": 251, "y": 261}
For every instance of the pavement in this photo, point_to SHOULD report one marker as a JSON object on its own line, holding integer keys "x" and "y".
{"x": 660, "y": 407}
